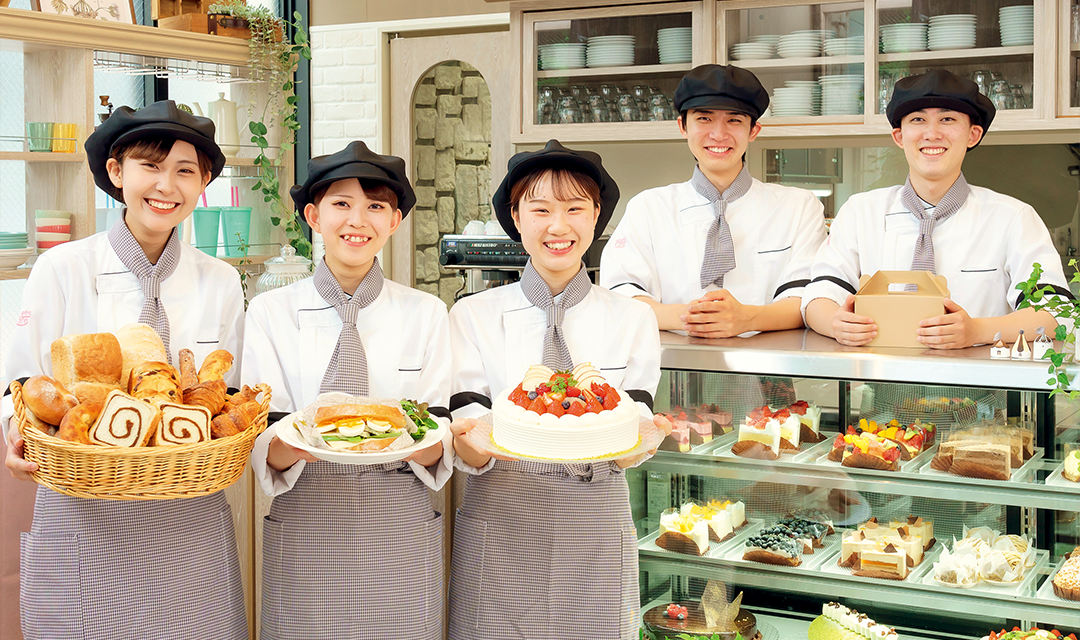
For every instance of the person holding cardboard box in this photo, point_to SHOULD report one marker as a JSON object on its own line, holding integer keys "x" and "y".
{"x": 983, "y": 243}
{"x": 722, "y": 254}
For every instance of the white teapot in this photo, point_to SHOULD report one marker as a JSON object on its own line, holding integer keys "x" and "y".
{"x": 226, "y": 132}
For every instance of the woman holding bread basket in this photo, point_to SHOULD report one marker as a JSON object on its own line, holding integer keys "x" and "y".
{"x": 343, "y": 542}
{"x": 108, "y": 569}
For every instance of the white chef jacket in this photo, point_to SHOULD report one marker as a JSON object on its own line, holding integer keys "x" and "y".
{"x": 659, "y": 245}
{"x": 984, "y": 249}
{"x": 83, "y": 287}
{"x": 291, "y": 333}
{"x": 498, "y": 334}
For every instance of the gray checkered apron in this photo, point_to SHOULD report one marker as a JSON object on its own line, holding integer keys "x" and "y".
{"x": 545, "y": 552}
{"x": 135, "y": 570}
{"x": 719, "y": 256}
{"x": 353, "y": 553}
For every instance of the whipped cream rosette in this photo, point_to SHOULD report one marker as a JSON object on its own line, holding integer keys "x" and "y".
{"x": 342, "y": 435}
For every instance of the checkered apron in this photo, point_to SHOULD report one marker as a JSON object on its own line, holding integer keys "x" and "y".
{"x": 537, "y": 291}
{"x": 150, "y": 275}
{"x": 955, "y": 197}
{"x": 545, "y": 552}
{"x": 113, "y": 570}
{"x": 348, "y": 370}
{"x": 353, "y": 553}
{"x": 719, "y": 247}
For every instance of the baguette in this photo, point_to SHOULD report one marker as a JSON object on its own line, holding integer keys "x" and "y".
{"x": 188, "y": 377}
{"x": 215, "y": 365}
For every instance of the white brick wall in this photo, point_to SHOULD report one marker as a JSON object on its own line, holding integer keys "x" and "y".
{"x": 344, "y": 87}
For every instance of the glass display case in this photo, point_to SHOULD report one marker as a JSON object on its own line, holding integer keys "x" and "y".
{"x": 608, "y": 67}
{"x": 881, "y": 467}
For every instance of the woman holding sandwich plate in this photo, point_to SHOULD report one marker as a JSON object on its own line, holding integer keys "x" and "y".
{"x": 344, "y": 542}
{"x": 547, "y": 550}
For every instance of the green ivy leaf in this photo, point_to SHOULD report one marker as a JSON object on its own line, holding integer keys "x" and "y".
{"x": 275, "y": 220}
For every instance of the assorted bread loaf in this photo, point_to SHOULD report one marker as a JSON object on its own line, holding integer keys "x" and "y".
{"x": 119, "y": 390}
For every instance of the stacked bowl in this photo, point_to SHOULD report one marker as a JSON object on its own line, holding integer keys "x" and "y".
{"x": 841, "y": 95}
{"x": 753, "y": 51}
{"x": 675, "y": 45}
{"x": 1017, "y": 25}
{"x": 956, "y": 31}
{"x": 844, "y": 46}
{"x": 903, "y": 37}
{"x": 797, "y": 98}
{"x": 802, "y": 44}
{"x": 53, "y": 228}
{"x": 13, "y": 250}
{"x": 562, "y": 55}
{"x": 610, "y": 51}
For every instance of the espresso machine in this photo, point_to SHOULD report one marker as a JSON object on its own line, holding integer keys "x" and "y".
{"x": 486, "y": 261}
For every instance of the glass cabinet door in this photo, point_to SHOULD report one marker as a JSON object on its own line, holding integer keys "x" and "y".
{"x": 608, "y": 67}
{"x": 1070, "y": 39}
{"x": 989, "y": 41}
{"x": 808, "y": 56}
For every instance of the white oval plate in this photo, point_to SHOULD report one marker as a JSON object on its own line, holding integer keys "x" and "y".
{"x": 290, "y": 436}
{"x": 651, "y": 436}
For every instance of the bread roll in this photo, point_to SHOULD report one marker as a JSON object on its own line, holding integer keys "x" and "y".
{"x": 77, "y": 423}
{"x": 125, "y": 422}
{"x": 93, "y": 392}
{"x": 87, "y": 357}
{"x": 155, "y": 382}
{"x": 138, "y": 344}
{"x": 188, "y": 377}
{"x": 47, "y": 399}
{"x": 215, "y": 365}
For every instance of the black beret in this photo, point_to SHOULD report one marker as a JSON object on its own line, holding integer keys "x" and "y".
{"x": 555, "y": 156}
{"x": 355, "y": 161}
{"x": 944, "y": 90}
{"x": 158, "y": 120}
{"x": 714, "y": 86}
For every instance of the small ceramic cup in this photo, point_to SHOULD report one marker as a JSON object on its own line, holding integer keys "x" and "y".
{"x": 40, "y": 135}
{"x": 64, "y": 137}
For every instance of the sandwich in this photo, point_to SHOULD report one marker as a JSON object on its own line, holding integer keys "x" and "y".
{"x": 360, "y": 427}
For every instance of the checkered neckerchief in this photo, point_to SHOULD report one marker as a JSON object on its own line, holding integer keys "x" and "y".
{"x": 150, "y": 275}
{"x": 348, "y": 370}
{"x": 719, "y": 247}
{"x": 955, "y": 197}
{"x": 556, "y": 353}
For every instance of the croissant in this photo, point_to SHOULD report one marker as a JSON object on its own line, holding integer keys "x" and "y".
{"x": 238, "y": 418}
{"x": 216, "y": 365}
{"x": 188, "y": 377}
{"x": 155, "y": 382}
{"x": 209, "y": 394}
{"x": 75, "y": 427}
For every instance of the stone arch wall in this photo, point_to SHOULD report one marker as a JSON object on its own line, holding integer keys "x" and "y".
{"x": 452, "y": 155}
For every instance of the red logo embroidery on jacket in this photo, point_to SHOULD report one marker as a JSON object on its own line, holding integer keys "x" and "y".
{"x": 620, "y": 243}
{"x": 24, "y": 319}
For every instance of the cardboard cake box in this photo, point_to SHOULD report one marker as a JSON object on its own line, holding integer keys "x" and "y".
{"x": 898, "y": 301}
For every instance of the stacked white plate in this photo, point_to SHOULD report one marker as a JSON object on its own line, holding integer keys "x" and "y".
{"x": 902, "y": 37}
{"x": 676, "y": 45}
{"x": 772, "y": 39}
{"x": 955, "y": 31}
{"x": 610, "y": 51}
{"x": 11, "y": 258}
{"x": 841, "y": 95}
{"x": 800, "y": 44}
{"x": 562, "y": 55}
{"x": 1017, "y": 25}
{"x": 844, "y": 46}
{"x": 753, "y": 51}
{"x": 796, "y": 98}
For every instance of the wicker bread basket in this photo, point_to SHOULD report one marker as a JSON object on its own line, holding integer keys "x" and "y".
{"x": 139, "y": 473}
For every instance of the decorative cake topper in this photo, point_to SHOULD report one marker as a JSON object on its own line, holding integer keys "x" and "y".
{"x": 999, "y": 351}
{"x": 1020, "y": 350}
{"x": 720, "y": 614}
{"x": 1041, "y": 344}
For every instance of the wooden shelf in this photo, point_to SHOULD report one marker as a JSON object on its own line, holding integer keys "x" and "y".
{"x": 43, "y": 156}
{"x": 959, "y": 55}
{"x": 14, "y": 274}
{"x": 635, "y": 70}
{"x": 795, "y": 63}
{"x": 1075, "y": 48}
{"x": 33, "y": 30}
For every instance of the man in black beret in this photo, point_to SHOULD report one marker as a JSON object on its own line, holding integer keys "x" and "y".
{"x": 722, "y": 254}
{"x": 984, "y": 243}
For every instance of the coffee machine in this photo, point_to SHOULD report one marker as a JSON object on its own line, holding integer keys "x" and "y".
{"x": 485, "y": 261}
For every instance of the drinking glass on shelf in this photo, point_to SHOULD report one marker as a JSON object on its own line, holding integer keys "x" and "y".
{"x": 1076, "y": 23}
{"x": 1019, "y": 99}
{"x": 1001, "y": 95}
{"x": 608, "y": 91}
{"x": 885, "y": 89}
{"x": 984, "y": 79}
{"x": 640, "y": 92}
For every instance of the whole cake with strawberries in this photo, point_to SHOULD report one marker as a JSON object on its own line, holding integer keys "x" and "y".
{"x": 565, "y": 415}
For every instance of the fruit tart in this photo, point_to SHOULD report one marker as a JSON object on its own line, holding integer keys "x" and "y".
{"x": 863, "y": 449}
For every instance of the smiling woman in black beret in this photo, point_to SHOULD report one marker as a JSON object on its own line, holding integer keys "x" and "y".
{"x": 355, "y": 531}
{"x": 103, "y": 569}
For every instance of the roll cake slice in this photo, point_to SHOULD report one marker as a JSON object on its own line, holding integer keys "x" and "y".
{"x": 183, "y": 424}
{"x": 125, "y": 421}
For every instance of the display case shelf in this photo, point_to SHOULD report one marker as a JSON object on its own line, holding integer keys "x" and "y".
{"x": 645, "y": 70}
{"x": 957, "y": 56}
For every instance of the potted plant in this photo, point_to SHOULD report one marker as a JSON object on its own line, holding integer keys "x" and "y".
{"x": 1067, "y": 311}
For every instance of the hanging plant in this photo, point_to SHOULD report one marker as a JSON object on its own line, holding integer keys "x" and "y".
{"x": 272, "y": 60}
{"x": 1046, "y": 299}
